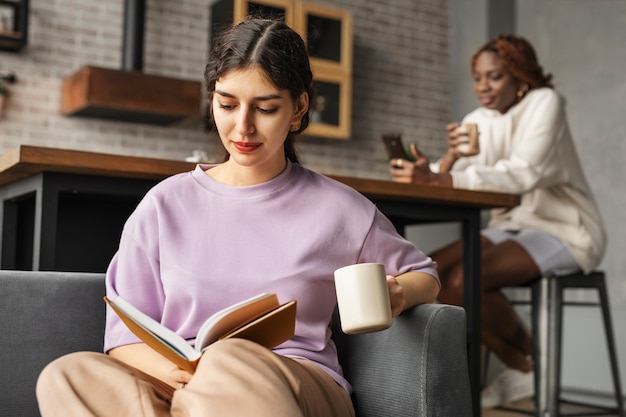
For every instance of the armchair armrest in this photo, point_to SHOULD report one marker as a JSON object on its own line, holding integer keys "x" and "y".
{"x": 418, "y": 367}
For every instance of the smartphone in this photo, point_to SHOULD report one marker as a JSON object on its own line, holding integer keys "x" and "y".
{"x": 395, "y": 147}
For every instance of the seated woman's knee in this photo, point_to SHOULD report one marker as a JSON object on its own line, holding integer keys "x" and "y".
{"x": 455, "y": 279}
{"x": 61, "y": 368}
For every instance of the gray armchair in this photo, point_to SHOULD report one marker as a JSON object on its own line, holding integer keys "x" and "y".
{"x": 416, "y": 368}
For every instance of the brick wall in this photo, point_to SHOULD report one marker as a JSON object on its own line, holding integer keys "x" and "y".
{"x": 400, "y": 79}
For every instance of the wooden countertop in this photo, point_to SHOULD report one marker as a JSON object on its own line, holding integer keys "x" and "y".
{"x": 389, "y": 190}
{"x": 25, "y": 161}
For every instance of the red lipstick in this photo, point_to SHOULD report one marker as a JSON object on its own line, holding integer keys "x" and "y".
{"x": 246, "y": 147}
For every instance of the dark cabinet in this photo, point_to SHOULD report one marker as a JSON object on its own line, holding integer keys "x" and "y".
{"x": 13, "y": 24}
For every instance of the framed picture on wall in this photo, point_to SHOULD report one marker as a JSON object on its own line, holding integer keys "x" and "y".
{"x": 13, "y": 24}
{"x": 7, "y": 16}
{"x": 328, "y": 34}
{"x": 330, "y": 109}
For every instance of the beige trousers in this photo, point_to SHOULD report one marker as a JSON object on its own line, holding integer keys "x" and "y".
{"x": 235, "y": 377}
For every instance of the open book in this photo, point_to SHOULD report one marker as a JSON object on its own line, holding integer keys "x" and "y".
{"x": 261, "y": 319}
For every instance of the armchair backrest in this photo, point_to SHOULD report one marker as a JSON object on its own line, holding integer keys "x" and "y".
{"x": 44, "y": 315}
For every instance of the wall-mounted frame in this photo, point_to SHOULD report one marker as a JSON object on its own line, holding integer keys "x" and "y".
{"x": 269, "y": 9}
{"x": 330, "y": 110}
{"x": 328, "y": 34}
{"x": 13, "y": 24}
{"x": 226, "y": 12}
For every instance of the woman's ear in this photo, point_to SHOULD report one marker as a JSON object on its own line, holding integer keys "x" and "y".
{"x": 522, "y": 90}
{"x": 301, "y": 107}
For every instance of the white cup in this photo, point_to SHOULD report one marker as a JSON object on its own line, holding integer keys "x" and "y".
{"x": 363, "y": 298}
{"x": 471, "y": 145}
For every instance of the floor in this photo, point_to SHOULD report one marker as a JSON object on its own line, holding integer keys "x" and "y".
{"x": 528, "y": 406}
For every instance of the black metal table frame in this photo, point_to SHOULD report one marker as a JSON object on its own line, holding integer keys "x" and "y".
{"x": 44, "y": 190}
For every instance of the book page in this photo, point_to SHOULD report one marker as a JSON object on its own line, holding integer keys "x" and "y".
{"x": 153, "y": 333}
{"x": 234, "y": 317}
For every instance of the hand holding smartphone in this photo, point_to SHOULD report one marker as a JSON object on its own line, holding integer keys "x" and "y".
{"x": 395, "y": 148}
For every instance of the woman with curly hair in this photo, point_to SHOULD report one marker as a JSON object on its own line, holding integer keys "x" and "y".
{"x": 526, "y": 148}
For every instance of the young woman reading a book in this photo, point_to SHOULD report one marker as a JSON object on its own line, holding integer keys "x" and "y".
{"x": 258, "y": 222}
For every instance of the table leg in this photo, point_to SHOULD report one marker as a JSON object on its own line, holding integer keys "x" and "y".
{"x": 471, "y": 264}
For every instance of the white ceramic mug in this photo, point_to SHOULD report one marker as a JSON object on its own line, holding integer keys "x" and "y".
{"x": 363, "y": 298}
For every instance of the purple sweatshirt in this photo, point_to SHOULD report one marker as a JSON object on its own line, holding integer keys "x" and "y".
{"x": 194, "y": 246}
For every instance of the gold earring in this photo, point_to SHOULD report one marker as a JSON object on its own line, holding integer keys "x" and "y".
{"x": 522, "y": 91}
{"x": 294, "y": 127}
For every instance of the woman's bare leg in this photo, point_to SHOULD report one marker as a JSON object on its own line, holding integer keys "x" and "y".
{"x": 502, "y": 265}
{"x": 504, "y": 333}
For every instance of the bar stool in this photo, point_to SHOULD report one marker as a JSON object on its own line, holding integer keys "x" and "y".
{"x": 547, "y": 302}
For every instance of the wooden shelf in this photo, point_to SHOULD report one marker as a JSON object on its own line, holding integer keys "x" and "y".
{"x": 130, "y": 96}
{"x": 10, "y": 34}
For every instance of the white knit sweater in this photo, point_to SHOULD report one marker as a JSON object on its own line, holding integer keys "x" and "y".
{"x": 529, "y": 151}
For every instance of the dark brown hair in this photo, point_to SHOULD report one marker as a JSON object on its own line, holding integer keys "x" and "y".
{"x": 519, "y": 58}
{"x": 272, "y": 46}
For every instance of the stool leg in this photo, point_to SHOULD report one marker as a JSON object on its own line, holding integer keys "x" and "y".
{"x": 610, "y": 341}
{"x": 547, "y": 340}
{"x": 555, "y": 352}
{"x": 540, "y": 306}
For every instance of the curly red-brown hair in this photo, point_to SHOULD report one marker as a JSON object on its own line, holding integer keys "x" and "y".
{"x": 519, "y": 58}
